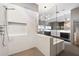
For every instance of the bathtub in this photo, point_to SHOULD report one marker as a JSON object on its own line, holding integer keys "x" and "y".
{"x": 46, "y": 44}
{"x": 19, "y": 42}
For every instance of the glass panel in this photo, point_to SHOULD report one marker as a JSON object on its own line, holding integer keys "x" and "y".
{"x": 75, "y": 26}
{"x": 48, "y": 25}
{"x": 54, "y": 21}
{"x": 63, "y": 28}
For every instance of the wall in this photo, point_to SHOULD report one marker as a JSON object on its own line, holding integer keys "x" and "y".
{"x": 31, "y": 6}
{"x": 21, "y": 15}
{"x": 2, "y": 15}
{"x": 75, "y": 20}
{"x": 3, "y": 47}
{"x": 22, "y": 23}
{"x": 67, "y": 25}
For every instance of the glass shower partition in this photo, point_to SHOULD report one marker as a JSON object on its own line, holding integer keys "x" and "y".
{"x": 49, "y": 26}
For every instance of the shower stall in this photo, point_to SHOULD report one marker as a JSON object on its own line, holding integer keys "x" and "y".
{"x": 16, "y": 24}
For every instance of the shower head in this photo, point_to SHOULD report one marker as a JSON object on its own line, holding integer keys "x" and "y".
{"x": 8, "y": 8}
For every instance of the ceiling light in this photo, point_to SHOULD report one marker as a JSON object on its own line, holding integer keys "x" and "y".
{"x": 44, "y": 6}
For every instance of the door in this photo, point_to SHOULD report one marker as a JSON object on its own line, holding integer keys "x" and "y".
{"x": 3, "y": 33}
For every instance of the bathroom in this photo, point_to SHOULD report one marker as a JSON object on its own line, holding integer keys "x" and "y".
{"x": 42, "y": 26}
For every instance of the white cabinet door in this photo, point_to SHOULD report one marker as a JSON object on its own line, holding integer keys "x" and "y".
{"x": 55, "y": 33}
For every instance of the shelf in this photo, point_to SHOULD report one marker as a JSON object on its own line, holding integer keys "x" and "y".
{"x": 17, "y": 23}
{"x": 22, "y": 34}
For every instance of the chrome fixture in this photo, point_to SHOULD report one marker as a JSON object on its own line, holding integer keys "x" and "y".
{"x": 10, "y": 8}
{"x": 3, "y": 27}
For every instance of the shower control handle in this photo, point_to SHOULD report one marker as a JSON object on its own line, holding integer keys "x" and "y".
{"x": 3, "y": 38}
{"x": 3, "y": 41}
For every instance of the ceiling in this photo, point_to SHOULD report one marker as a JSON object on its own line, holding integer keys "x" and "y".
{"x": 56, "y": 6}
{"x": 66, "y": 6}
{"x": 49, "y": 9}
{"x": 52, "y": 8}
{"x": 31, "y": 6}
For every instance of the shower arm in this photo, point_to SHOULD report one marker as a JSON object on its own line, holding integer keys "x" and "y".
{"x": 5, "y": 27}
